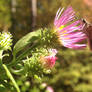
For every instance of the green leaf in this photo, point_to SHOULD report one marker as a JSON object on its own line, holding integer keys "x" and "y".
{"x": 24, "y": 41}
{"x": 25, "y": 53}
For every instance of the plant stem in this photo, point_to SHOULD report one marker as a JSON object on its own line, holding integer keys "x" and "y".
{"x": 1, "y": 51}
{"x": 11, "y": 77}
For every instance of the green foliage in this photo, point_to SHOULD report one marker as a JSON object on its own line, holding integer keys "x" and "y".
{"x": 34, "y": 66}
{"x": 26, "y": 40}
{"x": 73, "y": 71}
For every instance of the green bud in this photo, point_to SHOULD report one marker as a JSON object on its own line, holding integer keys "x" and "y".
{"x": 5, "y": 41}
{"x": 40, "y": 63}
{"x": 49, "y": 38}
{"x": 32, "y": 66}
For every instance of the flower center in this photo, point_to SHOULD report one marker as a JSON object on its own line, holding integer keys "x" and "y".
{"x": 61, "y": 27}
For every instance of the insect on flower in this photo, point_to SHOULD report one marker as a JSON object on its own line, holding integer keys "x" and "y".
{"x": 88, "y": 31}
{"x": 69, "y": 34}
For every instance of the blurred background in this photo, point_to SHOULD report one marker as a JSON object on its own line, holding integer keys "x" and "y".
{"x": 73, "y": 70}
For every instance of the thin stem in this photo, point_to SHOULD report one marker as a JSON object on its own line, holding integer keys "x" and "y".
{"x": 1, "y": 51}
{"x": 11, "y": 77}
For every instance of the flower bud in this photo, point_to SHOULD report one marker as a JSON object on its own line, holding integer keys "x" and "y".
{"x": 5, "y": 41}
{"x": 49, "y": 61}
{"x": 41, "y": 61}
{"x": 49, "y": 89}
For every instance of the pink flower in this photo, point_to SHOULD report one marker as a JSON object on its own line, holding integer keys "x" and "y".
{"x": 49, "y": 61}
{"x": 49, "y": 89}
{"x": 69, "y": 34}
